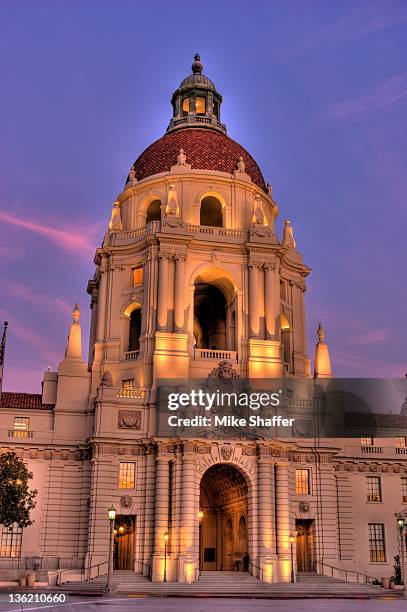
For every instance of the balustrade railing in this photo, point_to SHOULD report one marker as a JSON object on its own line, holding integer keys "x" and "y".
{"x": 131, "y": 355}
{"x": 215, "y": 354}
{"x": 20, "y": 433}
{"x": 132, "y": 392}
{"x": 371, "y": 450}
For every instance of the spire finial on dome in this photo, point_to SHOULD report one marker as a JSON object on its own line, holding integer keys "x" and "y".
{"x": 197, "y": 65}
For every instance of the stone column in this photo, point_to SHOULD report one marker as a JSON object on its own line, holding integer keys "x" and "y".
{"x": 253, "y": 300}
{"x": 161, "y": 503}
{"x": 149, "y": 506}
{"x": 162, "y": 315}
{"x": 265, "y": 477}
{"x": 188, "y": 558}
{"x": 100, "y": 335}
{"x": 272, "y": 299}
{"x": 283, "y": 522}
{"x": 179, "y": 303}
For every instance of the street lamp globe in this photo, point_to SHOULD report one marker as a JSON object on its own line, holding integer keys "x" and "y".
{"x": 111, "y": 513}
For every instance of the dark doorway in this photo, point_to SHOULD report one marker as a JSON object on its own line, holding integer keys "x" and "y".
{"x": 123, "y": 557}
{"x": 224, "y": 534}
{"x": 305, "y": 544}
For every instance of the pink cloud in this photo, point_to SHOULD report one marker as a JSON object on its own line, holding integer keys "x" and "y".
{"x": 362, "y": 21}
{"x": 388, "y": 95}
{"x": 82, "y": 243}
{"x": 23, "y": 292}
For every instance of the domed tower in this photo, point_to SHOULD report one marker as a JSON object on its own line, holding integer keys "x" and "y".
{"x": 191, "y": 271}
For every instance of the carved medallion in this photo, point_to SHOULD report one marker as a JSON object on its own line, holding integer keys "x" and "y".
{"x": 226, "y": 452}
{"x": 129, "y": 419}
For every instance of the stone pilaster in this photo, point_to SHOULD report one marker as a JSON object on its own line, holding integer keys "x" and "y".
{"x": 283, "y": 522}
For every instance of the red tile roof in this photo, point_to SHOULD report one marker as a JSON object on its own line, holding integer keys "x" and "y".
{"x": 31, "y": 401}
{"x": 205, "y": 150}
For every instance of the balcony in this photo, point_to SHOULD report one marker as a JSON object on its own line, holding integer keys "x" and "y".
{"x": 401, "y": 451}
{"x": 131, "y": 355}
{"x": 20, "y": 433}
{"x": 132, "y": 393}
{"x": 216, "y": 354}
{"x": 371, "y": 450}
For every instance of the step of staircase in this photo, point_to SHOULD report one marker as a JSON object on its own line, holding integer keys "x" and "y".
{"x": 228, "y": 584}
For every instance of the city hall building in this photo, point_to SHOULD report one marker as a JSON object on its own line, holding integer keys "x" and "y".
{"x": 192, "y": 281}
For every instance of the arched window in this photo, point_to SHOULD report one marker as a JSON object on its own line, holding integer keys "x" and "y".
{"x": 211, "y": 212}
{"x": 154, "y": 211}
{"x": 135, "y": 330}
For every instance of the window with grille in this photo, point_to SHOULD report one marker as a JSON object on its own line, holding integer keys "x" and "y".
{"x": 404, "y": 489}
{"x": 302, "y": 482}
{"x": 22, "y": 423}
{"x": 11, "y": 538}
{"x": 374, "y": 491}
{"x": 376, "y": 542}
{"x": 367, "y": 441}
{"x": 128, "y": 383}
{"x": 400, "y": 442}
{"x": 127, "y": 475}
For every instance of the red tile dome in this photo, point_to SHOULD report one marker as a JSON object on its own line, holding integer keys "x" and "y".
{"x": 205, "y": 149}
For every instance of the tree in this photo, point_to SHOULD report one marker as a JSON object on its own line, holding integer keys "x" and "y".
{"x": 16, "y": 500}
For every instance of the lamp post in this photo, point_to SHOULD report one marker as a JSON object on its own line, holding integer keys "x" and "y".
{"x": 200, "y": 518}
{"x": 112, "y": 516}
{"x": 401, "y": 521}
{"x": 166, "y": 536}
{"x": 292, "y": 555}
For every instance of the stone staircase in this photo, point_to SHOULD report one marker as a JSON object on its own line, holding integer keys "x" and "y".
{"x": 229, "y": 584}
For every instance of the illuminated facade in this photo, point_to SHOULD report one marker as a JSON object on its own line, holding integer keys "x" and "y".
{"x": 192, "y": 277}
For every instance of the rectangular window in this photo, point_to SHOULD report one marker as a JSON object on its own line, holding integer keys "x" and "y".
{"x": 400, "y": 442}
{"x": 200, "y": 106}
{"x": 11, "y": 538}
{"x": 185, "y": 107}
{"x": 404, "y": 489}
{"x": 302, "y": 482}
{"x": 21, "y": 423}
{"x": 127, "y": 475}
{"x": 128, "y": 383}
{"x": 376, "y": 542}
{"x": 137, "y": 277}
{"x": 374, "y": 491}
{"x": 367, "y": 441}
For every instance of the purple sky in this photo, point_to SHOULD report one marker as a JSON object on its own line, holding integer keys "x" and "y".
{"x": 315, "y": 90}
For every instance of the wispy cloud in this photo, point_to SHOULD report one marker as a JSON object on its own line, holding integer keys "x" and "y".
{"x": 82, "y": 243}
{"x": 39, "y": 299}
{"x": 387, "y": 96}
{"x": 372, "y": 337}
{"x": 362, "y": 21}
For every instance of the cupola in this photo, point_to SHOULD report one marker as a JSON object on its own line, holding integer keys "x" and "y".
{"x": 196, "y": 103}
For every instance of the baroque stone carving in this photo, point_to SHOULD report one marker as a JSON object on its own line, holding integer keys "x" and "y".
{"x": 126, "y": 501}
{"x": 129, "y": 419}
{"x": 224, "y": 370}
{"x": 107, "y": 379}
{"x": 226, "y": 452}
{"x": 303, "y": 506}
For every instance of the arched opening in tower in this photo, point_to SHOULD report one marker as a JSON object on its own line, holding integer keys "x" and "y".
{"x": 153, "y": 211}
{"x": 135, "y": 330}
{"x": 224, "y": 540}
{"x": 210, "y": 317}
{"x": 211, "y": 212}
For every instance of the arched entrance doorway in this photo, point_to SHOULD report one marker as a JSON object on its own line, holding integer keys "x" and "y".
{"x": 223, "y": 538}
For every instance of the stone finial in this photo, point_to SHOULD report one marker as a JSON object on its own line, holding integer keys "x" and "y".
{"x": 181, "y": 158}
{"x": 197, "y": 66}
{"x": 76, "y": 313}
{"x": 240, "y": 166}
{"x": 115, "y": 223}
{"x": 322, "y": 362}
{"x": 74, "y": 344}
{"x": 258, "y": 214}
{"x": 171, "y": 208}
{"x": 288, "y": 236}
{"x": 269, "y": 190}
{"x": 107, "y": 379}
{"x": 320, "y": 332}
{"x": 132, "y": 174}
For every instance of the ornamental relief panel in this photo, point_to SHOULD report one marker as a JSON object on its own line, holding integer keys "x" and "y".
{"x": 370, "y": 467}
{"x": 129, "y": 419}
